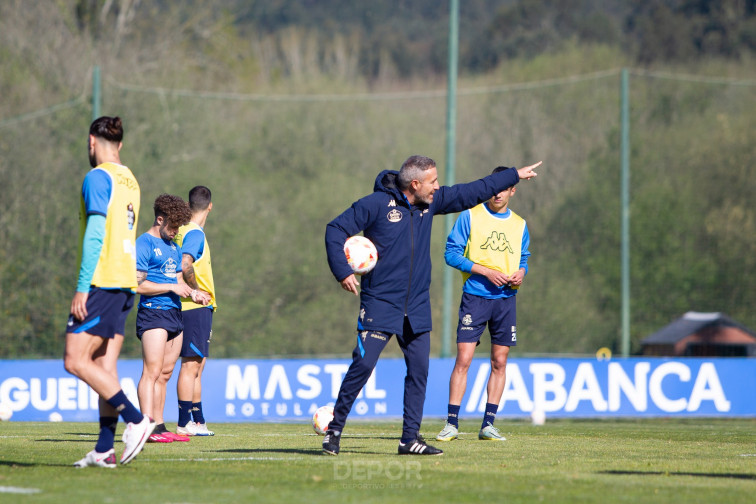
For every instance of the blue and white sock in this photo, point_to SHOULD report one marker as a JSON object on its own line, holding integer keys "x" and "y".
{"x": 197, "y": 413}
{"x": 453, "y": 415}
{"x": 184, "y": 413}
{"x": 124, "y": 407}
{"x": 490, "y": 415}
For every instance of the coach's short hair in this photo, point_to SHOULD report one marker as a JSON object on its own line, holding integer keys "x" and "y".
{"x": 412, "y": 169}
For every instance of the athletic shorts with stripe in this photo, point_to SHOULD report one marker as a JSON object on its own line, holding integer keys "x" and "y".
{"x": 107, "y": 310}
{"x": 198, "y": 331}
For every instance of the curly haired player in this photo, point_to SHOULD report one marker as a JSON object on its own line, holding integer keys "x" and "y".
{"x": 159, "y": 323}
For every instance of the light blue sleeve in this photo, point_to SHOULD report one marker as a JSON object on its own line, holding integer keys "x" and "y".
{"x": 91, "y": 248}
{"x": 457, "y": 242}
{"x": 96, "y": 192}
{"x": 193, "y": 244}
{"x": 524, "y": 251}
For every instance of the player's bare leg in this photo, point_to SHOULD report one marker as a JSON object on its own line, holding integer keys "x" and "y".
{"x": 188, "y": 379}
{"x": 170, "y": 356}
{"x": 107, "y": 358}
{"x": 197, "y": 396}
{"x": 87, "y": 357}
{"x": 153, "y": 355}
{"x": 496, "y": 381}
{"x": 457, "y": 386}
{"x": 498, "y": 377}
{"x": 458, "y": 380}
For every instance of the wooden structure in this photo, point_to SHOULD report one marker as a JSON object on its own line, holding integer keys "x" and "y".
{"x": 699, "y": 334}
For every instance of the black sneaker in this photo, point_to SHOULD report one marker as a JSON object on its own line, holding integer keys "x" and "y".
{"x": 331, "y": 442}
{"x": 418, "y": 447}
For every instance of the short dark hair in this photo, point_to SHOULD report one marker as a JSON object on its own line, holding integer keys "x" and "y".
{"x": 173, "y": 209}
{"x": 499, "y": 169}
{"x": 199, "y": 198}
{"x": 109, "y": 128}
{"x": 412, "y": 169}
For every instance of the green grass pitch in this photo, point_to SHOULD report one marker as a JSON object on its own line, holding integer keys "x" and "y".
{"x": 581, "y": 461}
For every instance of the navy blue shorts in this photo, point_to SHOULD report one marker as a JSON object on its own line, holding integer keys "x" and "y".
{"x": 106, "y": 313}
{"x": 198, "y": 330}
{"x": 151, "y": 318}
{"x": 499, "y": 314}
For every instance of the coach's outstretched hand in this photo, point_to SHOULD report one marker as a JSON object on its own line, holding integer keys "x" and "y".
{"x": 527, "y": 172}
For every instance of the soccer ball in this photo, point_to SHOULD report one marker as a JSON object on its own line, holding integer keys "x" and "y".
{"x": 55, "y": 417}
{"x": 5, "y": 412}
{"x": 360, "y": 254}
{"x": 321, "y": 419}
{"x": 538, "y": 416}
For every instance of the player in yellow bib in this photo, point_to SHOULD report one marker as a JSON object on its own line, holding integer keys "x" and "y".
{"x": 489, "y": 244}
{"x": 197, "y": 269}
{"x": 105, "y": 291}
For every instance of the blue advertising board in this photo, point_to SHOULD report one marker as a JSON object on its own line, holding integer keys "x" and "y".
{"x": 290, "y": 390}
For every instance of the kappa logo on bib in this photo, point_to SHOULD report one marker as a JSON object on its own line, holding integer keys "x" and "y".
{"x": 394, "y": 215}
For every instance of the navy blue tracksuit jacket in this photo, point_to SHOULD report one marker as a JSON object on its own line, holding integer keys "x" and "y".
{"x": 400, "y": 282}
{"x": 395, "y": 295}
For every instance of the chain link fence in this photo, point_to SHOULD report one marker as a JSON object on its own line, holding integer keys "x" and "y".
{"x": 281, "y": 166}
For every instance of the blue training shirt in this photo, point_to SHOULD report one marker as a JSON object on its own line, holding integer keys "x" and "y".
{"x": 162, "y": 261}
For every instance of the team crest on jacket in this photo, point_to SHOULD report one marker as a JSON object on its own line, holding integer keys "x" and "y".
{"x": 394, "y": 215}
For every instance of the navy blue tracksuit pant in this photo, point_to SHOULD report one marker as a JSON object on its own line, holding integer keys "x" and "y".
{"x": 370, "y": 344}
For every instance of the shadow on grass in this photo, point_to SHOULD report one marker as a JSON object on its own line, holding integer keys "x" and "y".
{"x": 12, "y": 463}
{"x": 300, "y": 451}
{"x": 679, "y": 473}
{"x": 388, "y": 438}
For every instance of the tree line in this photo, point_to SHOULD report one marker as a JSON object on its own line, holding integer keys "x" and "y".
{"x": 411, "y": 37}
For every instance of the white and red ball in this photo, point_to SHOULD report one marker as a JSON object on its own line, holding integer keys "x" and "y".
{"x": 321, "y": 418}
{"x": 361, "y": 254}
{"x": 6, "y": 412}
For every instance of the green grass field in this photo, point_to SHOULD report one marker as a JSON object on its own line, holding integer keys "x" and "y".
{"x": 651, "y": 460}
